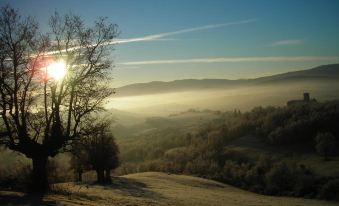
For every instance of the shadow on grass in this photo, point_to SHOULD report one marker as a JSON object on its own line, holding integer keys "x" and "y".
{"x": 130, "y": 187}
{"x": 15, "y": 199}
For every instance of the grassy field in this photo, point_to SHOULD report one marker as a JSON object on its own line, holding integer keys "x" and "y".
{"x": 153, "y": 188}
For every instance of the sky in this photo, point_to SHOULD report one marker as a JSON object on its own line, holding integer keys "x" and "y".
{"x": 195, "y": 39}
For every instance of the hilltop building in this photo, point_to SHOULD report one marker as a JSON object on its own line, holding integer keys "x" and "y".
{"x": 305, "y": 100}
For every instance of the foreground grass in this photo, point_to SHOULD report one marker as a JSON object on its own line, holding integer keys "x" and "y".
{"x": 152, "y": 188}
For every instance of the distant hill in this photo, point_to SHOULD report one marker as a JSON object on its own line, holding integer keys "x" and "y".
{"x": 324, "y": 72}
{"x": 329, "y": 72}
{"x": 176, "y": 86}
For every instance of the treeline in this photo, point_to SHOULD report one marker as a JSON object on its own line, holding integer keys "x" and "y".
{"x": 296, "y": 124}
{"x": 205, "y": 153}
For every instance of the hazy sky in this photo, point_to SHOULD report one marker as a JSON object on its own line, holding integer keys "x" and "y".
{"x": 180, "y": 39}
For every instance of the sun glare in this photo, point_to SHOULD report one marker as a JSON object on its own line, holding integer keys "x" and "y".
{"x": 57, "y": 70}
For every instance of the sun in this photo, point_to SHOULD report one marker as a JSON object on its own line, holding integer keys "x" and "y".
{"x": 57, "y": 70}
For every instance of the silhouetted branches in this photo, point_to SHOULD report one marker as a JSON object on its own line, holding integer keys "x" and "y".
{"x": 40, "y": 115}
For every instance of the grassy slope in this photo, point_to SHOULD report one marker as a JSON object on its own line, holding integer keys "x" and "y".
{"x": 154, "y": 189}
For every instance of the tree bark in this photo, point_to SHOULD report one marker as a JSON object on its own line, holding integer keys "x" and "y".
{"x": 108, "y": 175}
{"x": 79, "y": 176}
{"x": 39, "y": 175}
{"x": 100, "y": 176}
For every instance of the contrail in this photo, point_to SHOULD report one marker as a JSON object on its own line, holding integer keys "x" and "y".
{"x": 236, "y": 60}
{"x": 159, "y": 36}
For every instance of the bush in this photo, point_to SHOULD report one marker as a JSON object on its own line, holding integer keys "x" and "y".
{"x": 235, "y": 173}
{"x": 255, "y": 177}
{"x": 17, "y": 177}
{"x": 59, "y": 170}
{"x": 330, "y": 190}
{"x": 325, "y": 144}
{"x": 305, "y": 186}
{"x": 280, "y": 179}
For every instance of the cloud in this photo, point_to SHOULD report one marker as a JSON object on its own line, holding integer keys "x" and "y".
{"x": 188, "y": 30}
{"x": 287, "y": 42}
{"x": 161, "y": 36}
{"x": 235, "y": 60}
{"x": 129, "y": 67}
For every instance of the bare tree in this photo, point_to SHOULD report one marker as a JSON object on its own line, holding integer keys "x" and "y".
{"x": 41, "y": 114}
{"x": 98, "y": 148}
{"x": 79, "y": 159}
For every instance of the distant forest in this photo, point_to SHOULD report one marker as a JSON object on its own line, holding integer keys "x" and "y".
{"x": 283, "y": 133}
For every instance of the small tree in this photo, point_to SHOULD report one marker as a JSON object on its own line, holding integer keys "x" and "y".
{"x": 96, "y": 149}
{"x": 325, "y": 144}
{"x": 79, "y": 160}
{"x": 41, "y": 107}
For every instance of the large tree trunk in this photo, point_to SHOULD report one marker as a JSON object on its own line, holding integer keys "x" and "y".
{"x": 100, "y": 176}
{"x": 79, "y": 176}
{"x": 108, "y": 176}
{"x": 39, "y": 175}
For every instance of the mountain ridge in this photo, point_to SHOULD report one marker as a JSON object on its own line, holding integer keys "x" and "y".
{"x": 323, "y": 72}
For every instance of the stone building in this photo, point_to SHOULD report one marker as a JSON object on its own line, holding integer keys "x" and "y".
{"x": 305, "y": 100}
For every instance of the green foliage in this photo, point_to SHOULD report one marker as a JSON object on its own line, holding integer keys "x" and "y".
{"x": 325, "y": 144}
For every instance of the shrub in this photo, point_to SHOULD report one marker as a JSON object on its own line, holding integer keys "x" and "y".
{"x": 17, "y": 177}
{"x": 305, "y": 186}
{"x": 325, "y": 144}
{"x": 330, "y": 190}
{"x": 280, "y": 179}
{"x": 256, "y": 175}
{"x": 59, "y": 170}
